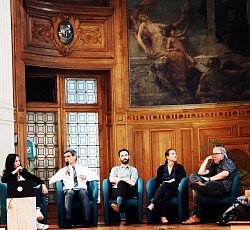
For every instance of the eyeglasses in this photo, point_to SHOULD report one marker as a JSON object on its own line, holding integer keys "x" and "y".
{"x": 215, "y": 154}
{"x": 67, "y": 156}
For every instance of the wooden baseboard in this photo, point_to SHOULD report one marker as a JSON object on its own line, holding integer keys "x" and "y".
{"x": 239, "y": 225}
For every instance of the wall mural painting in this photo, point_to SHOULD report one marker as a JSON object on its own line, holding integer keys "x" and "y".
{"x": 176, "y": 57}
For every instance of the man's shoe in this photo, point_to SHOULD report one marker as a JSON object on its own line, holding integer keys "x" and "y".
{"x": 115, "y": 207}
{"x": 123, "y": 223}
{"x": 67, "y": 224}
{"x": 87, "y": 224}
{"x": 222, "y": 223}
{"x": 39, "y": 215}
{"x": 197, "y": 186}
{"x": 192, "y": 220}
{"x": 247, "y": 194}
{"x": 42, "y": 226}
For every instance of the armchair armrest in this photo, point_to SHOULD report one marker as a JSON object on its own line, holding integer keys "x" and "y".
{"x": 140, "y": 199}
{"x": 235, "y": 189}
{"x": 106, "y": 187}
{"x": 150, "y": 190}
{"x": 60, "y": 202}
{"x": 3, "y": 196}
{"x": 93, "y": 189}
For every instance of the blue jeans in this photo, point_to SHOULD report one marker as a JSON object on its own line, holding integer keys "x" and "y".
{"x": 38, "y": 195}
{"x": 212, "y": 189}
{"x": 69, "y": 195}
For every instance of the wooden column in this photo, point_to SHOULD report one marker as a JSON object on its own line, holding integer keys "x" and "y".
{"x": 6, "y": 90}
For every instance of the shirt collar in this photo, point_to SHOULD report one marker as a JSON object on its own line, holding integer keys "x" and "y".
{"x": 126, "y": 166}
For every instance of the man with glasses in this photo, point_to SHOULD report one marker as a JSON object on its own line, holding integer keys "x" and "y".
{"x": 214, "y": 179}
{"x": 75, "y": 177}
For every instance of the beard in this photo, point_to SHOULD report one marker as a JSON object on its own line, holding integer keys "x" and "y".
{"x": 125, "y": 161}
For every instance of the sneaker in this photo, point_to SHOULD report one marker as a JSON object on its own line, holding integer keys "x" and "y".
{"x": 115, "y": 207}
{"x": 123, "y": 223}
{"x": 192, "y": 220}
{"x": 39, "y": 215}
{"x": 42, "y": 226}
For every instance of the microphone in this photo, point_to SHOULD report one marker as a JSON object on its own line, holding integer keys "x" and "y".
{"x": 67, "y": 164}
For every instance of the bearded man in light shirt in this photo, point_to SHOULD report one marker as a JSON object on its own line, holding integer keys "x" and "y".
{"x": 75, "y": 177}
{"x": 123, "y": 179}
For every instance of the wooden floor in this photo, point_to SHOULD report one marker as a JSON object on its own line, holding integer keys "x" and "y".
{"x": 144, "y": 226}
{"x": 52, "y": 221}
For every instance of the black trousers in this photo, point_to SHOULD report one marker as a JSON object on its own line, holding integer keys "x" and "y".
{"x": 125, "y": 191}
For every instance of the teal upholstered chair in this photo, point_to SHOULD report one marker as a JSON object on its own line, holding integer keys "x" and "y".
{"x": 134, "y": 206}
{"x": 181, "y": 202}
{"x": 213, "y": 207}
{"x": 77, "y": 214}
{"x": 3, "y": 196}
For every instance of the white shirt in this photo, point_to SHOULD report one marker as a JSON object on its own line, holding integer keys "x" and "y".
{"x": 68, "y": 180}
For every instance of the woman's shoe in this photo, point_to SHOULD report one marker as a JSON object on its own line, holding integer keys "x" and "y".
{"x": 164, "y": 220}
{"x": 151, "y": 207}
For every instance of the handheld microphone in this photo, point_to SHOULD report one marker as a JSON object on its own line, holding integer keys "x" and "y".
{"x": 67, "y": 164}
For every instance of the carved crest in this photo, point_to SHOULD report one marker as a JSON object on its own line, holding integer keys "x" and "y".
{"x": 66, "y": 33}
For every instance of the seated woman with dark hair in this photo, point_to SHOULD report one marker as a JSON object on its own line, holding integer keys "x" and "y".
{"x": 168, "y": 178}
{"x": 15, "y": 172}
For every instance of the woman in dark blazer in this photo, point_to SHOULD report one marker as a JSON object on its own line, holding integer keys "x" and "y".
{"x": 15, "y": 172}
{"x": 168, "y": 178}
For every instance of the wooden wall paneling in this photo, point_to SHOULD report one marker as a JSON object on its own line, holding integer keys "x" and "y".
{"x": 138, "y": 153}
{"x": 120, "y": 85}
{"x": 209, "y": 137}
{"x": 120, "y": 143}
{"x": 160, "y": 141}
{"x": 244, "y": 130}
{"x": 185, "y": 149}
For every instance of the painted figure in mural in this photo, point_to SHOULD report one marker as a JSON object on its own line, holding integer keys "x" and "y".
{"x": 239, "y": 77}
{"x": 180, "y": 60}
{"x": 142, "y": 7}
{"x": 182, "y": 24}
{"x": 214, "y": 85}
{"x": 149, "y": 35}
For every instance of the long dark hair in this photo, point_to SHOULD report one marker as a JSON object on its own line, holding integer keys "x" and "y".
{"x": 9, "y": 162}
{"x": 167, "y": 154}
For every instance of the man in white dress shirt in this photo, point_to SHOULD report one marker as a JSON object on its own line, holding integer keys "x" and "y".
{"x": 75, "y": 179}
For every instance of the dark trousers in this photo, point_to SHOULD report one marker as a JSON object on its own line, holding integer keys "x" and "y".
{"x": 212, "y": 189}
{"x": 125, "y": 191}
{"x": 69, "y": 195}
{"x": 163, "y": 196}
